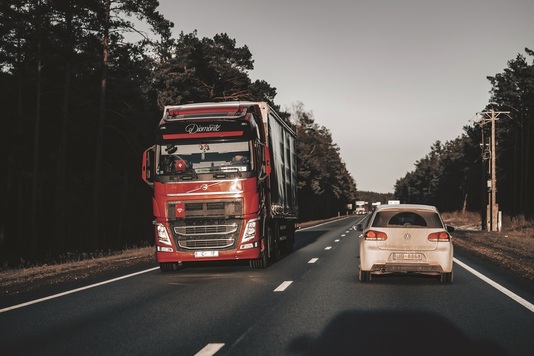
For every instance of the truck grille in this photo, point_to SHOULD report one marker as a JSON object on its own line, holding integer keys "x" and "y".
{"x": 205, "y": 229}
{"x": 206, "y": 234}
{"x": 206, "y": 224}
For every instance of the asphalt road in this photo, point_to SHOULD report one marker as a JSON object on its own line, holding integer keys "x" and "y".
{"x": 307, "y": 303}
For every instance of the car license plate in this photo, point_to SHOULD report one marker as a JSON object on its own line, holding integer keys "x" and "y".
{"x": 407, "y": 256}
{"x": 200, "y": 254}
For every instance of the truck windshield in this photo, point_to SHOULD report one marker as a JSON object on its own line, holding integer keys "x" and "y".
{"x": 175, "y": 158}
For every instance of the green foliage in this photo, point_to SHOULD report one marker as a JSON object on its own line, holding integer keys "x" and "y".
{"x": 202, "y": 70}
{"x": 325, "y": 185}
{"x": 80, "y": 104}
{"x": 374, "y": 197}
{"x": 443, "y": 177}
{"x": 453, "y": 175}
{"x": 513, "y": 91}
{"x": 50, "y": 67}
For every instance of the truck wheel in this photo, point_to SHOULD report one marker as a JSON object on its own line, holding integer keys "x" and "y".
{"x": 261, "y": 262}
{"x": 168, "y": 266}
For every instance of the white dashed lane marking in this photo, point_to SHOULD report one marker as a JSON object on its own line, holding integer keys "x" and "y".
{"x": 313, "y": 260}
{"x": 209, "y": 350}
{"x": 282, "y": 287}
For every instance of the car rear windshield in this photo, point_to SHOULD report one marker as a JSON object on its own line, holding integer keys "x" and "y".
{"x": 407, "y": 219}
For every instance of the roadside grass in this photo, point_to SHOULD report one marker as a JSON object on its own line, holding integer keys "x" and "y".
{"x": 518, "y": 225}
{"x": 463, "y": 220}
{"x": 59, "y": 272}
{"x": 512, "y": 248}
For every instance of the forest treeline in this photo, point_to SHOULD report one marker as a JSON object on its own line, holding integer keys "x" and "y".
{"x": 82, "y": 89}
{"x": 454, "y": 175}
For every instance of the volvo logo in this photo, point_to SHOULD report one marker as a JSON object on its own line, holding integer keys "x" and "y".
{"x": 407, "y": 236}
{"x": 204, "y": 187}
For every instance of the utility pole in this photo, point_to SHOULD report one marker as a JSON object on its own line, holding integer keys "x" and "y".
{"x": 493, "y": 222}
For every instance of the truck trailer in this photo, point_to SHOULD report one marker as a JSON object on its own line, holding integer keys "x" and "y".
{"x": 224, "y": 177}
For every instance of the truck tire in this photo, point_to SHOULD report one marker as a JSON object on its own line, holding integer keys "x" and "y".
{"x": 168, "y": 266}
{"x": 261, "y": 262}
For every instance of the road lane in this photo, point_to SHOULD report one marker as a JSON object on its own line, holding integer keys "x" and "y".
{"x": 230, "y": 309}
{"x": 330, "y": 311}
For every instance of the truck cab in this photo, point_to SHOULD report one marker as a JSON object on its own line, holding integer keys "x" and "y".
{"x": 224, "y": 180}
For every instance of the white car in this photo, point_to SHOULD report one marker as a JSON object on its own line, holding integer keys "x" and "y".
{"x": 405, "y": 238}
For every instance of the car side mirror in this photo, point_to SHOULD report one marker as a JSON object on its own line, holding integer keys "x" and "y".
{"x": 358, "y": 227}
{"x": 450, "y": 228}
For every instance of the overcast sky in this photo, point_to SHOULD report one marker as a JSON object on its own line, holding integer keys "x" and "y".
{"x": 388, "y": 78}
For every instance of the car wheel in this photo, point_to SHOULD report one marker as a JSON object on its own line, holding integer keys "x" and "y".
{"x": 364, "y": 276}
{"x": 446, "y": 277}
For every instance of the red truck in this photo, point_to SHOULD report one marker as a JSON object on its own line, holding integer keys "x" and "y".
{"x": 224, "y": 177}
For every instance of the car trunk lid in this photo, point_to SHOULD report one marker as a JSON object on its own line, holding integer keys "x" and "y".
{"x": 408, "y": 239}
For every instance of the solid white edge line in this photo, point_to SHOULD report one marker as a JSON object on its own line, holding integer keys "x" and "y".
{"x": 210, "y": 349}
{"x": 75, "y": 290}
{"x": 282, "y": 287}
{"x": 497, "y": 286}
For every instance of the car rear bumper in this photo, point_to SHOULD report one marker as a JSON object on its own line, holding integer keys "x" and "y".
{"x": 407, "y": 267}
{"x": 437, "y": 261}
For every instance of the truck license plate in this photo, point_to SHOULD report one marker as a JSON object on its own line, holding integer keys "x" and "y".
{"x": 200, "y": 254}
{"x": 407, "y": 256}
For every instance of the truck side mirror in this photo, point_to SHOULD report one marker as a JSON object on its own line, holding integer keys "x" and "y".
{"x": 148, "y": 169}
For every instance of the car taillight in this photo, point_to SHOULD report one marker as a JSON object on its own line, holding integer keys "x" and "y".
{"x": 375, "y": 235}
{"x": 439, "y": 236}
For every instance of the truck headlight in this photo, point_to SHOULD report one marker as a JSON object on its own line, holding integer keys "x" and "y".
{"x": 162, "y": 235}
{"x": 250, "y": 230}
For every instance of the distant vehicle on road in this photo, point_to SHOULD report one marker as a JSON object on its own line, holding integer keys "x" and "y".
{"x": 361, "y": 207}
{"x": 360, "y": 211}
{"x": 405, "y": 238}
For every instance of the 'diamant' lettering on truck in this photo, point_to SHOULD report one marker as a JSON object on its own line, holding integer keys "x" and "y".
{"x": 224, "y": 177}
